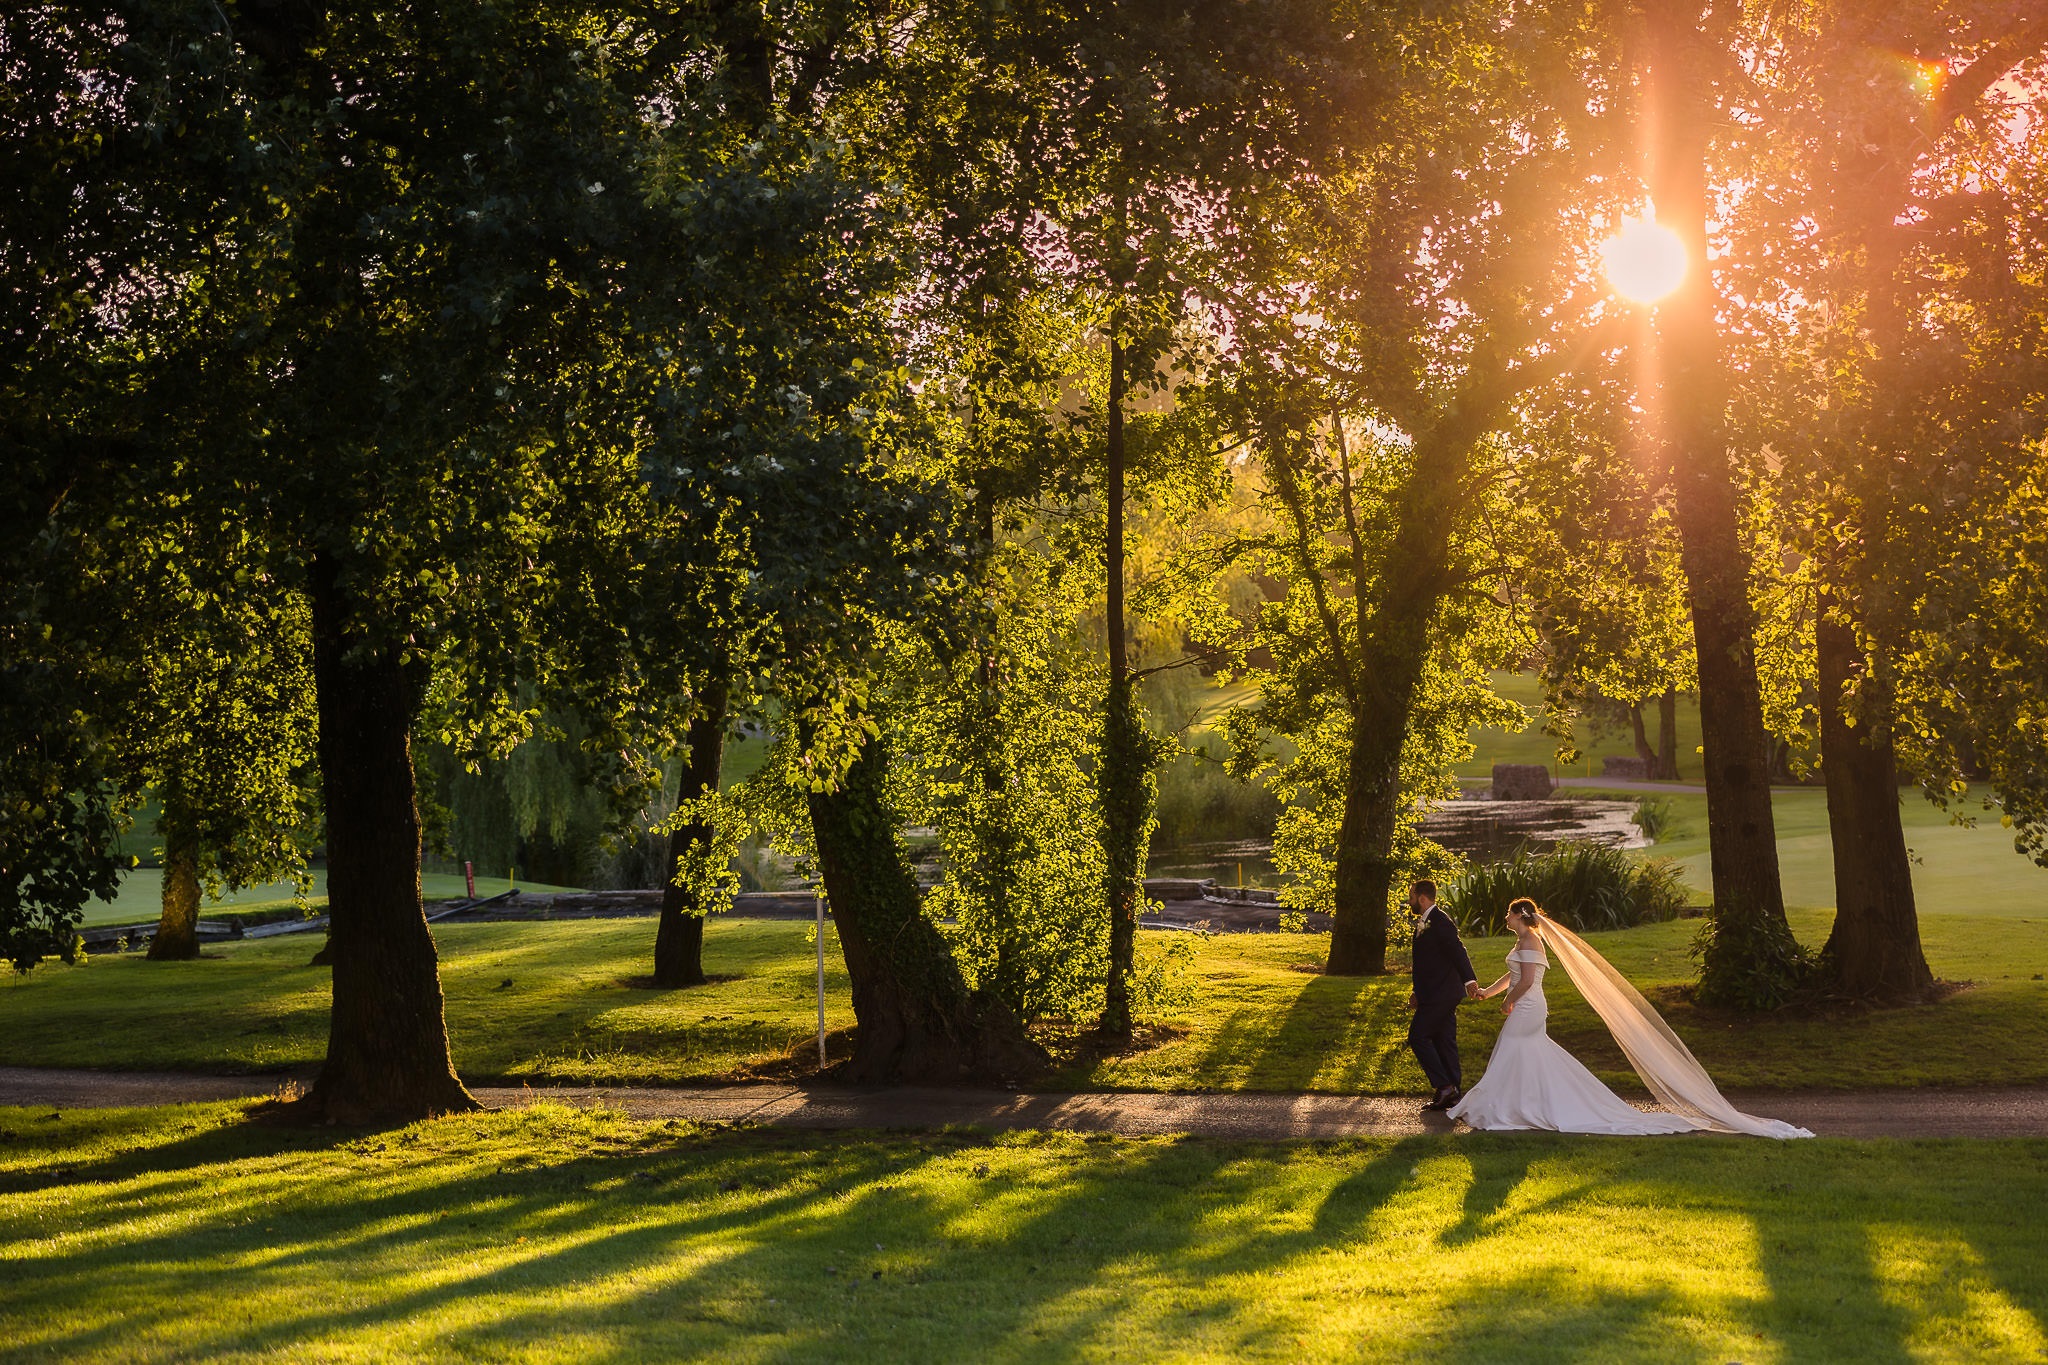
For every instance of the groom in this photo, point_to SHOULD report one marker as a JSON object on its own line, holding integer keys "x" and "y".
{"x": 1443, "y": 977}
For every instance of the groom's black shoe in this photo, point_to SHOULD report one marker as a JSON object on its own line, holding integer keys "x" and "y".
{"x": 1445, "y": 1099}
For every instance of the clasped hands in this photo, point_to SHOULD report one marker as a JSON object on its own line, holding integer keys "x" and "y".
{"x": 1475, "y": 991}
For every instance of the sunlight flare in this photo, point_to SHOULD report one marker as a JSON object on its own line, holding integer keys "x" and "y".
{"x": 1645, "y": 261}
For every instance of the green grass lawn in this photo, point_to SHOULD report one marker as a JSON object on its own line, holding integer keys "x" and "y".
{"x": 140, "y": 898}
{"x": 1491, "y": 746}
{"x": 564, "y": 1001}
{"x": 550, "y": 1234}
{"x": 1958, "y": 870}
{"x": 1265, "y": 1021}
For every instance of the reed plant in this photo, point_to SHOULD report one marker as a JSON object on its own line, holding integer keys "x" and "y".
{"x": 1582, "y": 886}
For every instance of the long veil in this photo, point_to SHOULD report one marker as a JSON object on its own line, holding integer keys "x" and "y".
{"x": 1666, "y": 1065}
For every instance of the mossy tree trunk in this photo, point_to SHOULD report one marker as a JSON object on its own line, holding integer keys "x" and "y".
{"x": 1873, "y": 952}
{"x": 177, "y": 932}
{"x": 1365, "y": 854}
{"x": 387, "y": 1040}
{"x": 917, "y": 1020}
{"x": 1384, "y": 676}
{"x": 679, "y": 937}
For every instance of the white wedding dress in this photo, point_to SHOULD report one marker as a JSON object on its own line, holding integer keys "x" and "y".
{"x": 1531, "y": 1082}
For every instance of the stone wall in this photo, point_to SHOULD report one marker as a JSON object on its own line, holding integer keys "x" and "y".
{"x": 1520, "y": 782}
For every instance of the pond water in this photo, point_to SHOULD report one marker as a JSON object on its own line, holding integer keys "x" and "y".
{"x": 1228, "y": 862}
{"x": 1486, "y": 831}
{"x": 1483, "y": 831}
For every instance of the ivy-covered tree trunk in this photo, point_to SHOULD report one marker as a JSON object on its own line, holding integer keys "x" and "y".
{"x": 917, "y": 1021}
{"x": 1873, "y": 953}
{"x": 387, "y": 1039}
{"x": 679, "y": 937}
{"x": 177, "y": 933}
{"x": 994, "y": 879}
{"x": 1751, "y": 941}
{"x": 1128, "y": 790}
{"x": 1667, "y": 735}
{"x": 1393, "y": 643}
{"x": 1126, "y": 781}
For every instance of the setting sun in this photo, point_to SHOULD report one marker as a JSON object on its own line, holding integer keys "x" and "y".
{"x": 1644, "y": 261}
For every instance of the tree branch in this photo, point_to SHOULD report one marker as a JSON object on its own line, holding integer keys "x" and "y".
{"x": 1290, "y": 498}
{"x": 1962, "y": 90}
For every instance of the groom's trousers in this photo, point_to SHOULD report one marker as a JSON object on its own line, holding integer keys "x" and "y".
{"x": 1433, "y": 1037}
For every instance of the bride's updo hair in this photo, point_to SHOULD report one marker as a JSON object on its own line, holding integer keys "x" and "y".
{"x": 1523, "y": 909}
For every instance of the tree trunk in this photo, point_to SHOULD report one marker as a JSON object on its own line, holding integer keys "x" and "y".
{"x": 917, "y": 1020}
{"x": 1644, "y": 752}
{"x": 1365, "y": 847}
{"x": 1873, "y": 952}
{"x": 387, "y": 1040}
{"x": 1748, "y": 900}
{"x": 1667, "y": 735}
{"x": 679, "y": 938}
{"x": 177, "y": 933}
{"x": 1393, "y": 643}
{"x": 1126, "y": 781}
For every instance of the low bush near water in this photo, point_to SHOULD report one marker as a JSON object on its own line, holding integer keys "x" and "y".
{"x": 1582, "y": 886}
{"x": 1655, "y": 818}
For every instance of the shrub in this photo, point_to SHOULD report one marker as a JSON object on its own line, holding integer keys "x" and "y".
{"x": 1163, "y": 979}
{"x": 1653, "y": 818}
{"x": 1750, "y": 962}
{"x": 1581, "y": 886}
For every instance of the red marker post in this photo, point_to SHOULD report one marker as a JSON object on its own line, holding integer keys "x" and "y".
{"x": 469, "y": 878}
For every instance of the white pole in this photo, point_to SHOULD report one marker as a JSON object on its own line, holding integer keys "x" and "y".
{"x": 821, "y": 978}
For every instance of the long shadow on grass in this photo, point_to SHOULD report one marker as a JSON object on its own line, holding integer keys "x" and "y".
{"x": 1254, "y": 1050}
{"x": 563, "y": 1024}
{"x": 1187, "y": 1212}
{"x": 782, "y": 1246}
{"x": 1902, "y": 1253}
{"x": 980, "y": 1241}
{"x": 152, "y": 1151}
{"x": 386, "y": 1212}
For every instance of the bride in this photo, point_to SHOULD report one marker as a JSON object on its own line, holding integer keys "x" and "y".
{"x": 1531, "y": 1082}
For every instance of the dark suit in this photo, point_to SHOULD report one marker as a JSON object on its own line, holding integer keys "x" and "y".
{"x": 1439, "y": 968}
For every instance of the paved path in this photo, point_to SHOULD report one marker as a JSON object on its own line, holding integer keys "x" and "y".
{"x": 1898, "y": 1113}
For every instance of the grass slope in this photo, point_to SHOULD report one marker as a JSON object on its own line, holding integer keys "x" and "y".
{"x": 563, "y": 1001}
{"x": 550, "y": 1234}
{"x": 1531, "y": 745}
{"x": 1958, "y": 869}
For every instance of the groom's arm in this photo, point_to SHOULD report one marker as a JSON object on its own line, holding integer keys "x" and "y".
{"x": 1471, "y": 978}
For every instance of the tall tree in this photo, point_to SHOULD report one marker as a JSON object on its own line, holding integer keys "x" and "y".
{"x": 1429, "y": 289}
{"x": 786, "y": 451}
{"x": 391, "y": 288}
{"x": 1890, "y": 156}
{"x": 1750, "y": 957}
{"x": 220, "y": 725}
{"x": 1141, "y": 137}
